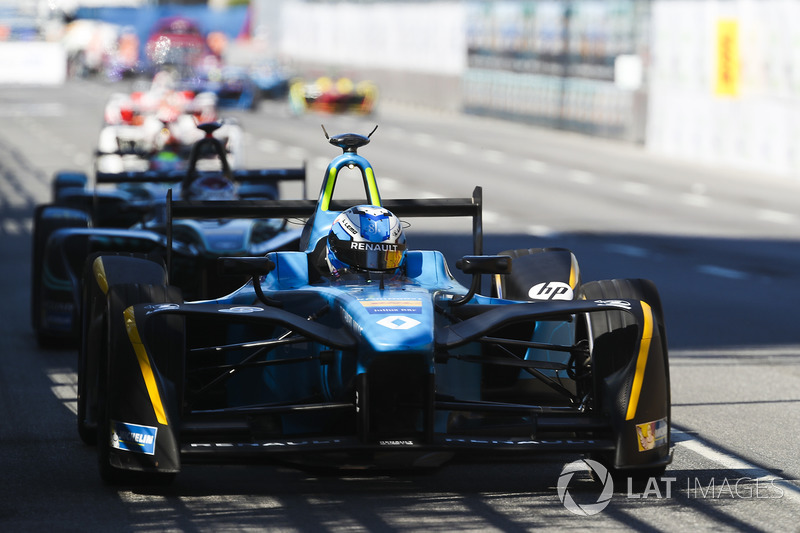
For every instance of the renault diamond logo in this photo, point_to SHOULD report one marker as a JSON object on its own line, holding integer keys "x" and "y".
{"x": 398, "y": 322}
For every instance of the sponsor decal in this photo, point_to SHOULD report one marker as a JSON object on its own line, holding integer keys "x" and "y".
{"x": 651, "y": 434}
{"x": 551, "y": 290}
{"x": 348, "y": 226}
{"x": 133, "y": 438}
{"x": 241, "y": 309}
{"x": 614, "y": 303}
{"x": 380, "y": 306}
{"x": 398, "y": 322}
{"x": 370, "y": 246}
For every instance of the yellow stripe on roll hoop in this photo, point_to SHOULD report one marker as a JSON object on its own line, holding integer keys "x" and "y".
{"x": 144, "y": 365}
{"x": 328, "y": 191}
{"x": 641, "y": 360}
{"x": 374, "y": 197}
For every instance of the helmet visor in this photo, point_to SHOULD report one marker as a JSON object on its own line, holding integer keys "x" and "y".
{"x": 368, "y": 255}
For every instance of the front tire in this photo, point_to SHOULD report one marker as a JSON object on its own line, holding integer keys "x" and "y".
{"x": 116, "y": 268}
{"x": 119, "y": 298}
{"x": 610, "y": 337}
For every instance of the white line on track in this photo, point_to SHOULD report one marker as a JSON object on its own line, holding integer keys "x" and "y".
{"x": 695, "y": 200}
{"x": 320, "y": 162}
{"x": 582, "y": 177}
{"x": 44, "y": 109}
{"x": 632, "y": 187}
{"x": 269, "y": 146}
{"x": 493, "y": 156}
{"x": 390, "y": 184}
{"x": 11, "y": 227}
{"x": 736, "y": 464}
{"x": 456, "y": 147}
{"x": 423, "y": 139}
{"x": 491, "y": 216}
{"x": 722, "y": 272}
{"x": 296, "y": 152}
{"x": 428, "y": 194}
{"x": 778, "y": 217}
{"x": 537, "y": 167}
{"x": 540, "y": 231}
{"x": 738, "y": 351}
{"x": 630, "y": 251}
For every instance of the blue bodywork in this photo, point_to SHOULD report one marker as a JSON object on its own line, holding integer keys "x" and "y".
{"x": 401, "y": 368}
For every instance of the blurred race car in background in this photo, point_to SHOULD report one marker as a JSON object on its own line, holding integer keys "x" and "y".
{"x": 353, "y": 351}
{"x": 271, "y": 79}
{"x": 155, "y": 128}
{"x": 125, "y": 213}
{"x": 231, "y": 86}
{"x": 178, "y": 43}
{"x": 329, "y": 95}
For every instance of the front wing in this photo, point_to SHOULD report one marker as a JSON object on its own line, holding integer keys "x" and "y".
{"x": 633, "y": 397}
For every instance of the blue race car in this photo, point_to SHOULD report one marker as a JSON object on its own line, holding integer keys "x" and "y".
{"x": 130, "y": 217}
{"x": 353, "y": 350}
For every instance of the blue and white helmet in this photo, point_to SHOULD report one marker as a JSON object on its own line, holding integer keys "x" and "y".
{"x": 212, "y": 188}
{"x": 366, "y": 237}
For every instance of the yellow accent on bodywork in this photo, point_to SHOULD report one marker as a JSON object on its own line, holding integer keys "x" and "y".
{"x": 498, "y": 283}
{"x": 641, "y": 360}
{"x": 100, "y": 274}
{"x": 144, "y": 365}
{"x": 374, "y": 197}
{"x": 573, "y": 272}
{"x": 328, "y": 192}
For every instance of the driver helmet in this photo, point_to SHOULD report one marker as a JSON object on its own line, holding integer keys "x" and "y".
{"x": 212, "y": 188}
{"x": 365, "y": 238}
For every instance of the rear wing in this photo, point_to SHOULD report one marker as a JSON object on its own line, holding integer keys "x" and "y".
{"x": 426, "y": 207}
{"x": 177, "y": 176}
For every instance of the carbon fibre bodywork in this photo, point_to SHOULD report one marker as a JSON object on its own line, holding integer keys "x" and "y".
{"x": 406, "y": 369}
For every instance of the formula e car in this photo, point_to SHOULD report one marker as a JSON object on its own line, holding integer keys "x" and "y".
{"x": 327, "y": 95}
{"x": 392, "y": 366}
{"x": 125, "y": 212}
{"x": 156, "y": 128}
{"x": 231, "y": 85}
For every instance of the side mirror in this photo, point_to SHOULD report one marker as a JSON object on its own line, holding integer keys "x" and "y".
{"x": 484, "y": 264}
{"x": 250, "y": 266}
{"x": 254, "y": 267}
{"x": 481, "y": 264}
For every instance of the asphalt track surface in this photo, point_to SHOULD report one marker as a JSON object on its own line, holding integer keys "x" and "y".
{"x": 721, "y": 245}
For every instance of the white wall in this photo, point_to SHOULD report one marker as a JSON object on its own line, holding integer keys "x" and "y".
{"x": 756, "y": 125}
{"x": 32, "y": 63}
{"x": 427, "y": 38}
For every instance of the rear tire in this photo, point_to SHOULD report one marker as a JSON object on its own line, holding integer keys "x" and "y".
{"x": 43, "y": 228}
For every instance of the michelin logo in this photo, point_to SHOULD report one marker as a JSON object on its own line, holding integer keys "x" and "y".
{"x": 133, "y": 438}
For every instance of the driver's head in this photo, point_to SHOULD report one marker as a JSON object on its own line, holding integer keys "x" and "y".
{"x": 366, "y": 238}
{"x": 212, "y": 188}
